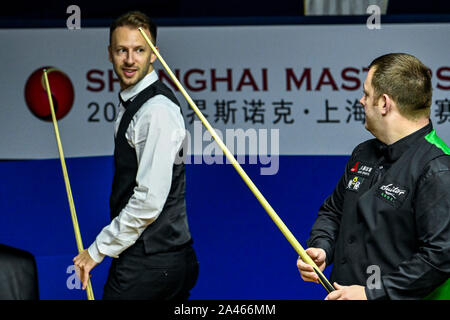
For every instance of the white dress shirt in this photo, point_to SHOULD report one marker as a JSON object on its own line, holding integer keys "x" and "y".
{"x": 156, "y": 132}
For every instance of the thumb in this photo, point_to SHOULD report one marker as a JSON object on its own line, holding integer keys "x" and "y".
{"x": 312, "y": 253}
{"x": 338, "y": 286}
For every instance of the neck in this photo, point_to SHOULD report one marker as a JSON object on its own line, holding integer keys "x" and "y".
{"x": 400, "y": 128}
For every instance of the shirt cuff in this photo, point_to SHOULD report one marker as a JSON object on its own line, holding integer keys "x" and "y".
{"x": 95, "y": 254}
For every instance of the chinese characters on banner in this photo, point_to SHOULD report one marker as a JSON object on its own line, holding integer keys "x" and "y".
{"x": 257, "y": 111}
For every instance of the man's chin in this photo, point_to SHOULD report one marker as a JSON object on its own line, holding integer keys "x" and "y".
{"x": 368, "y": 128}
{"x": 128, "y": 82}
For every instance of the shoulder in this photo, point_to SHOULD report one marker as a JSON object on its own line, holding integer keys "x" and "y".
{"x": 433, "y": 139}
{"x": 438, "y": 154}
{"x": 161, "y": 103}
{"x": 11, "y": 254}
{"x": 438, "y": 166}
{"x": 368, "y": 146}
{"x": 161, "y": 108}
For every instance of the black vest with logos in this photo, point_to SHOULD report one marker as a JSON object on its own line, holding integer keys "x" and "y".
{"x": 170, "y": 230}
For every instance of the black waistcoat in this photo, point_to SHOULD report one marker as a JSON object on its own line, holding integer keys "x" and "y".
{"x": 170, "y": 230}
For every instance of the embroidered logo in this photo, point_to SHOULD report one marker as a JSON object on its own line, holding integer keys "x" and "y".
{"x": 365, "y": 170}
{"x": 355, "y": 183}
{"x": 362, "y": 169}
{"x": 392, "y": 194}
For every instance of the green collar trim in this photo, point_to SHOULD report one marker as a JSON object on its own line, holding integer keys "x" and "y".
{"x": 438, "y": 142}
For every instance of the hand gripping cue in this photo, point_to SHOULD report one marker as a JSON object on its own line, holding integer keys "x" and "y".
{"x": 90, "y": 293}
{"x": 301, "y": 252}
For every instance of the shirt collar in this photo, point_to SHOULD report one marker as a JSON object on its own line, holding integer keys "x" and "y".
{"x": 133, "y": 91}
{"x": 394, "y": 151}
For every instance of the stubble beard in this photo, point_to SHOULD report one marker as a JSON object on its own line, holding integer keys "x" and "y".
{"x": 139, "y": 75}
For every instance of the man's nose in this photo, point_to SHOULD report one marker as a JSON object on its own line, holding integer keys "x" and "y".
{"x": 130, "y": 58}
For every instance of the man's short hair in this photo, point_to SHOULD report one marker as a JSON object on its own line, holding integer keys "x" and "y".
{"x": 406, "y": 80}
{"x": 134, "y": 19}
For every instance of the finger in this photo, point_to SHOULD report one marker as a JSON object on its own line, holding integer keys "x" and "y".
{"x": 307, "y": 272}
{"x": 338, "y": 286}
{"x": 309, "y": 276}
{"x": 78, "y": 272}
{"x": 86, "y": 277}
{"x": 312, "y": 253}
{"x": 319, "y": 259}
{"x": 77, "y": 260}
{"x": 335, "y": 295}
{"x": 304, "y": 266}
{"x": 79, "y": 265}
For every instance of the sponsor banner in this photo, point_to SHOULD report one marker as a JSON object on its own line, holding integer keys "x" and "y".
{"x": 290, "y": 90}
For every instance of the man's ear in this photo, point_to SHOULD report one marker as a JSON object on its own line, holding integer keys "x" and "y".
{"x": 109, "y": 54}
{"x": 153, "y": 55}
{"x": 385, "y": 104}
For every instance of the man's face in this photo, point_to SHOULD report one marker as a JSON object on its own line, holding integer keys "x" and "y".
{"x": 371, "y": 107}
{"x": 130, "y": 55}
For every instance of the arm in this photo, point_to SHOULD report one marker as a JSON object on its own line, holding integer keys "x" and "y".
{"x": 326, "y": 227}
{"x": 157, "y": 135}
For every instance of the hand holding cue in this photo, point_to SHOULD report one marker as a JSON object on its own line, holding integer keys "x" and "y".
{"x": 276, "y": 219}
{"x": 90, "y": 293}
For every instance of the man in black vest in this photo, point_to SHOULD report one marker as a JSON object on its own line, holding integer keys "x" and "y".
{"x": 148, "y": 234}
{"x": 386, "y": 226}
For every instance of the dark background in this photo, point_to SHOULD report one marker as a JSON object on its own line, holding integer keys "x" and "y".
{"x": 171, "y": 12}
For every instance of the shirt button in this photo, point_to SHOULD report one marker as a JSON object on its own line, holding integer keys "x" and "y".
{"x": 351, "y": 240}
{"x": 343, "y": 261}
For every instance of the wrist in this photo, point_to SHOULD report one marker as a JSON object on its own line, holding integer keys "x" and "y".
{"x": 95, "y": 254}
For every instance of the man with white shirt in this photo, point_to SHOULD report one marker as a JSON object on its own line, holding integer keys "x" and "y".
{"x": 148, "y": 234}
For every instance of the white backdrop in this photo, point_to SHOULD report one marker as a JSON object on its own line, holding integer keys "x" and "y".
{"x": 230, "y": 71}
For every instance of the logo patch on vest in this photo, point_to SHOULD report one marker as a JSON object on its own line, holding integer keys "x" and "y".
{"x": 355, "y": 183}
{"x": 393, "y": 194}
{"x": 362, "y": 169}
